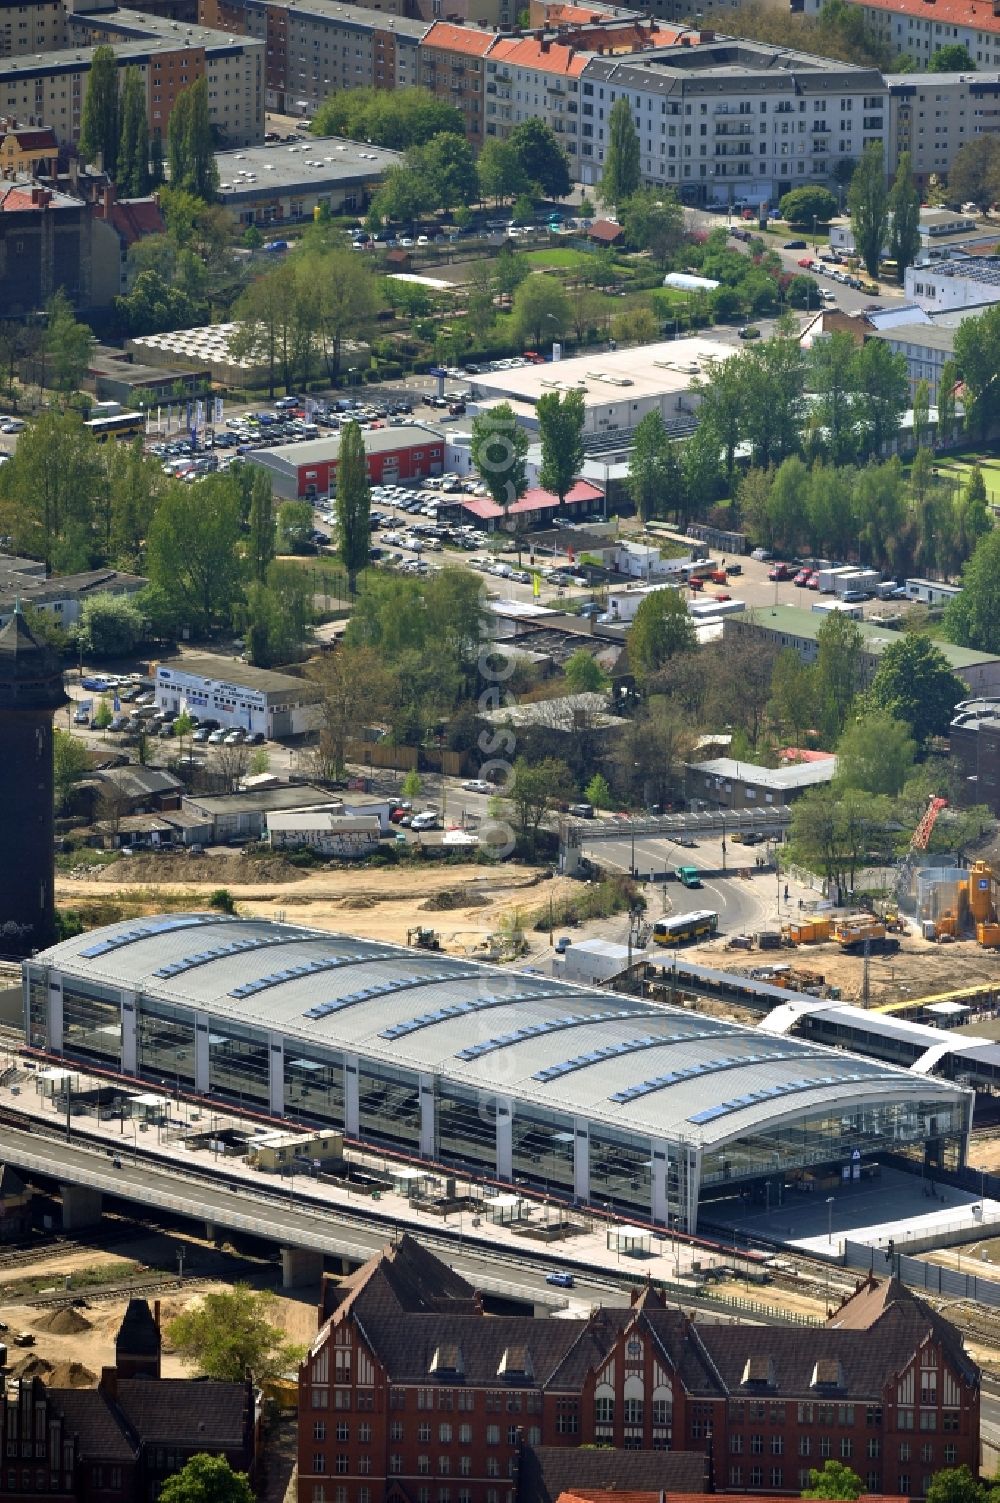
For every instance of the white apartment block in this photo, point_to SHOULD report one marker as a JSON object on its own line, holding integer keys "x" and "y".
{"x": 931, "y": 115}
{"x": 732, "y": 119}
{"x": 528, "y": 79}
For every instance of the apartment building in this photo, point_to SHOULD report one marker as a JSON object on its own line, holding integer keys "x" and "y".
{"x": 926, "y": 348}
{"x": 32, "y": 28}
{"x": 452, "y": 66}
{"x": 51, "y": 88}
{"x": 931, "y": 115}
{"x": 409, "y": 1389}
{"x": 315, "y": 47}
{"x": 26, "y": 149}
{"x": 919, "y": 27}
{"x": 731, "y": 119}
{"x": 538, "y": 76}
{"x": 49, "y": 241}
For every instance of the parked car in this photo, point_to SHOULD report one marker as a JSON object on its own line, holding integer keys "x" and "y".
{"x": 794, "y": 245}
{"x": 478, "y": 785}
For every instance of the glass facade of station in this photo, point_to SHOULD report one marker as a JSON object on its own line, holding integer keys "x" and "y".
{"x": 477, "y": 1131}
{"x": 165, "y": 1044}
{"x": 92, "y": 1023}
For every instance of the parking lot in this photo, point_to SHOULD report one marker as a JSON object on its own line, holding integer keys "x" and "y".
{"x": 135, "y": 713}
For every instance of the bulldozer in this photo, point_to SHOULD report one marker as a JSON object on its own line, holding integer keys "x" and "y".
{"x": 422, "y": 938}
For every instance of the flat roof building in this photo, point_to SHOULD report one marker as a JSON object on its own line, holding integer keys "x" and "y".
{"x": 791, "y": 626}
{"x": 236, "y": 694}
{"x": 619, "y": 386}
{"x": 961, "y": 283}
{"x": 283, "y": 184}
{"x": 410, "y": 451}
{"x": 648, "y": 1109}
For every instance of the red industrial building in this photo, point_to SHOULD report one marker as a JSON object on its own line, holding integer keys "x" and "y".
{"x": 410, "y": 1390}
{"x": 300, "y": 471}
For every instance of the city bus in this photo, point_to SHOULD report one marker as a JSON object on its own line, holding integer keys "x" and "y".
{"x": 685, "y": 928}
{"x": 122, "y": 425}
{"x": 690, "y": 876}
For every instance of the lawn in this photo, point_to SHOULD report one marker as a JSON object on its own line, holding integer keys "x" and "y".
{"x": 960, "y": 468}
{"x": 559, "y": 256}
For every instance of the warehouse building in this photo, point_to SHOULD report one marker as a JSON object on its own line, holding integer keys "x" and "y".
{"x": 649, "y": 1110}
{"x": 302, "y": 471}
{"x": 282, "y": 184}
{"x": 256, "y": 700}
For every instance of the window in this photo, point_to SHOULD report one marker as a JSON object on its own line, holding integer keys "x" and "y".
{"x": 319, "y": 1429}
{"x": 874, "y": 1447}
{"x": 396, "y": 1430}
{"x": 343, "y": 1430}
{"x": 444, "y": 1466}
{"x": 805, "y": 1445}
{"x": 424, "y": 1432}
{"x": 777, "y": 1445}
{"x": 904, "y": 1451}
{"x": 343, "y": 1464}
{"x": 824, "y": 1446}
{"x": 736, "y": 1445}
{"x": 756, "y": 1445}
{"x": 604, "y": 1411}
{"x": 846, "y": 1447}
{"x": 319, "y": 1462}
{"x": 777, "y": 1476}
{"x": 926, "y": 1452}
{"x": 492, "y": 1435}
{"x": 395, "y": 1464}
{"x": 950, "y": 1455}
{"x": 444, "y": 1433}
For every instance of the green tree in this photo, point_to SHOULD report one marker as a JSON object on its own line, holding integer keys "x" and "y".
{"x": 649, "y": 469}
{"x": 194, "y": 553}
{"x": 561, "y": 417}
{"x": 584, "y": 674}
{"x": 70, "y": 762}
{"x": 975, "y": 171}
{"x": 831, "y": 368}
{"x": 261, "y": 524}
{"x": 534, "y": 789}
{"x": 102, "y": 716}
{"x": 500, "y": 172}
{"x": 792, "y": 706}
{"x": 447, "y": 165}
{"x": 541, "y": 309}
{"x": 49, "y": 492}
{"x": 977, "y": 356}
{"x": 395, "y": 118}
{"x": 189, "y": 136}
{"x": 295, "y": 527}
{"x": 972, "y": 618}
{"x": 953, "y": 57}
{"x": 661, "y": 629}
{"x": 541, "y": 157}
{"x": 914, "y": 683}
{"x": 838, "y": 672}
{"x": 133, "y": 147}
{"x": 67, "y": 343}
{"x": 412, "y": 785}
{"x": 808, "y": 206}
{"x": 99, "y": 119}
{"x": 207, "y": 1479}
{"x": 232, "y": 1332}
{"x": 868, "y": 202}
{"x": 947, "y": 382}
{"x": 357, "y": 687}
{"x": 921, "y": 411}
{"x": 621, "y": 176}
{"x": 883, "y": 389}
{"x": 957, "y": 1485}
{"x": 499, "y": 450}
{"x": 511, "y": 269}
{"x": 875, "y": 754}
{"x": 353, "y": 503}
{"x": 833, "y": 1480}
{"x": 904, "y": 215}
{"x": 653, "y": 220}
{"x": 723, "y": 408}
{"x": 597, "y": 792}
{"x": 110, "y": 626}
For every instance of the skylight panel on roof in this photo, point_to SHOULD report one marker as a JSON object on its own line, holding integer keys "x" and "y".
{"x": 149, "y": 931}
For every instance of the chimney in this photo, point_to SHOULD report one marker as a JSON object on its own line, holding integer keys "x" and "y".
{"x": 107, "y": 199}
{"x": 109, "y": 1383}
{"x": 156, "y": 1313}
{"x": 546, "y": 44}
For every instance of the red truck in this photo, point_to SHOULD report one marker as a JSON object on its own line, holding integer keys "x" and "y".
{"x": 779, "y": 573}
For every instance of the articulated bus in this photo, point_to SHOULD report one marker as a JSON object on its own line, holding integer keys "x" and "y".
{"x": 122, "y": 425}
{"x": 685, "y": 928}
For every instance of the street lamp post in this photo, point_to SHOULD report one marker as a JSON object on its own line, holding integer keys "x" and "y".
{"x": 829, "y": 1220}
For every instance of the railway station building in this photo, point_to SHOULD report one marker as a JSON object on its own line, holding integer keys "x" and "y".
{"x": 646, "y": 1109}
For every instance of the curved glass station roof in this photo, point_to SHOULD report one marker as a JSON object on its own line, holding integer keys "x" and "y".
{"x": 635, "y": 1065}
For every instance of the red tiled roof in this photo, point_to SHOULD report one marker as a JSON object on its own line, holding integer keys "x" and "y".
{"x": 605, "y": 230}
{"x": 533, "y": 500}
{"x": 972, "y": 13}
{"x": 14, "y": 200}
{"x": 135, "y": 217}
{"x": 526, "y": 52}
{"x": 451, "y": 38}
{"x": 803, "y": 754}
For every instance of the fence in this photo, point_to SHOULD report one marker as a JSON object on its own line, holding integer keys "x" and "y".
{"x": 916, "y": 1273}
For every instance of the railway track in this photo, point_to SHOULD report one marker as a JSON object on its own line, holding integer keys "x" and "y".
{"x": 55, "y": 1299}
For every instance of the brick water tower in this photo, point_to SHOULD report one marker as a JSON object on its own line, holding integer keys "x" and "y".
{"x": 31, "y": 690}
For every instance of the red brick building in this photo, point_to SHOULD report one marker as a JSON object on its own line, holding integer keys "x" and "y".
{"x": 410, "y": 1392}
{"x": 409, "y": 452}
{"x": 120, "y": 1441}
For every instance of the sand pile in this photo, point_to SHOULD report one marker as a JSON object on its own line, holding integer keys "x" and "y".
{"x": 72, "y": 1375}
{"x": 66, "y": 1321}
{"x": 452, "y": 898}
{"x": 31, "y": 1366}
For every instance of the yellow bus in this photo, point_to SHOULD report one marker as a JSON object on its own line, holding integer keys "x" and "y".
{"x": 122, "y": 425}
{"x": 686, "y": 928}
